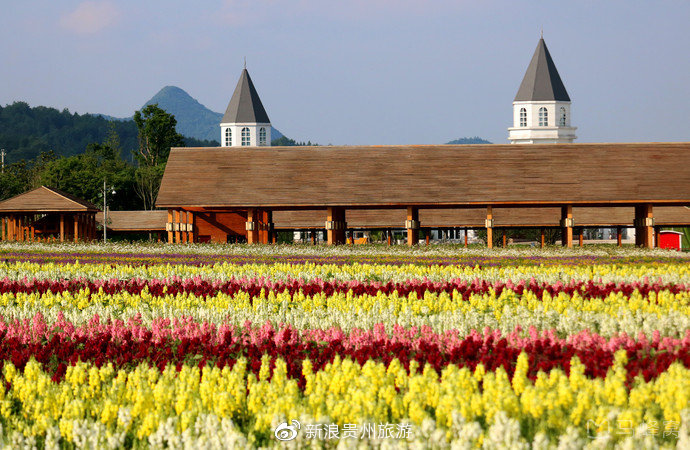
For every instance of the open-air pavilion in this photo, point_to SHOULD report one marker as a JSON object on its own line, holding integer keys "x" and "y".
{"x": 47, "y": 214}
{"x": 215, "y": 193}
{"x": 129, "y": 223}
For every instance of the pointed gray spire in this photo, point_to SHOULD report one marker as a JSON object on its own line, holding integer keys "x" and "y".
{"x": 245, "y": 105}
{"x": 541, "y": 81}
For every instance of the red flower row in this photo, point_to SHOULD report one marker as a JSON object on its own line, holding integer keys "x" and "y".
{"x": 200, "y": 287}
{"x": 188, "y": 342}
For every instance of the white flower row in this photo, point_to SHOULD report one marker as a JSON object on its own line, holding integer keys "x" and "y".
{"x": 212, "y": 432}
{"x": 435, "y": 250}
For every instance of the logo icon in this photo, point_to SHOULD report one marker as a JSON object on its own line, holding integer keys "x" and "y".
{"x": 286, "y": 432}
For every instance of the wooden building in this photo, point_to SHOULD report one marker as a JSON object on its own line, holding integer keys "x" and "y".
{"x": 128, "y": 223}
{"x": 47, "y": 214}
{"x": 220, "y": 194}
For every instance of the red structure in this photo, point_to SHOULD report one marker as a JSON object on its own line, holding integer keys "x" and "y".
{"x": 670, "y": 239}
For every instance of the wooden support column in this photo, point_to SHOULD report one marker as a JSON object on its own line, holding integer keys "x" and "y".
{"x": 504, "y": 238}
{"x": 183, "y": 226}
{"x": 427, "y": 235}
{"x": 191, "y": 227}
{"x": 252, "y": 226}
{"x": 489, "y": 224}
{"x": 176, "y": 226}
{"x": 82, "y": 226}
{"x": 581, "y": 237}
{"x": 389, "y": 238}
{"x": 21, "y": 228}
{"x": 32, "y": 230}
{"x": 412, "y": 226}
{"x": 62, "y": 228}
{"x": 313, "y": 237}
{"x": 656, "y": 237}
{"x": 542, "y": 238}
{"x": 2, "y": 226}
{"x": 268, "y": 233}
{"x": 75, "y": 218}
{"x": 465, "y": 237}
{"x": 619, "y": 236}
{"x": 567, "y": 224}
{"x": 644, "y": 226}
{"x": 169, "y": 227}
{"x": 261, "y": 226}
{"x": 335, "y": 225}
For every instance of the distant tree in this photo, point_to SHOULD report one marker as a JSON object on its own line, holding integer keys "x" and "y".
{"x": 285, "y": 141}
{"x": 14, "y": 180}
{"x": 83, "y": 175}
{"x": 157, "y": 134}
{"x": 467, "y": 141}
{"x": 193, "y": 142}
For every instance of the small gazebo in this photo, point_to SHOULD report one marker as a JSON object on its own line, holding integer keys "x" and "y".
{"x": 47, "y": 214}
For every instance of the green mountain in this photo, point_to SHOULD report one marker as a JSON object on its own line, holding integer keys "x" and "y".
{"x": 467, "y": 141}
{"x": 193, "y": 119}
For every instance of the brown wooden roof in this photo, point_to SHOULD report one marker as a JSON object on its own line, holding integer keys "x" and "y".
{"x": 135, "y": 220}
{"x": 441, "y": 175}
{"x": 503, "y": 217}
{"x": 46, "y": 199}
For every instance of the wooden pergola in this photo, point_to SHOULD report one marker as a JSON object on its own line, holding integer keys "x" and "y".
{"x": 47, "y": 214}
{"x": 130, "y": 222}
{"x": 216, "y": 193}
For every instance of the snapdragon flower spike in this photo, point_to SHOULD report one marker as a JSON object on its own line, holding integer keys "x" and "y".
{"x": 181, "y": 341}
{"x": 253, "y": 286}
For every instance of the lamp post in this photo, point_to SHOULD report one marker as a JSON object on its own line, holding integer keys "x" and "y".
{"x": 105, "y": 210}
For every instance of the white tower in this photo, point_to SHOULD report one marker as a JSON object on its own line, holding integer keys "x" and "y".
{"x": 245, "y": 122}
{"x": 541, "y": 109}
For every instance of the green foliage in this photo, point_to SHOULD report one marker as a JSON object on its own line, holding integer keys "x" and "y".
{"x": 83, "y": 176}
{"x": 26, "y": 132}
{"x": 284, "y": 141}
{"x": 14, "y": 180}
{"x": 467, "y": 141}
{"x": 157, "y": 134}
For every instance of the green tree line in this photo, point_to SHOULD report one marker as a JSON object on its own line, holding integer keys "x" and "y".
{"x": 133, "y": 169}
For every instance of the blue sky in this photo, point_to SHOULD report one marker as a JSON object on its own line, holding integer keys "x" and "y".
{"x": 361, "y": 71}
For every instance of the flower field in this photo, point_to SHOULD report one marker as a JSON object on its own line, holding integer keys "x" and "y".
{"x": 239, "y": 346}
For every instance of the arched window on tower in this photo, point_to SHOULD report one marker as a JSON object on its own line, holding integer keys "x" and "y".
{"x": 543, "y": 117}
{"x": 245, "y": 137}
{"x": 563, "y": 117}
{"x": 228, "y": 137}
{"x": 262, "y": 136}
{"x": 523, "y": 117}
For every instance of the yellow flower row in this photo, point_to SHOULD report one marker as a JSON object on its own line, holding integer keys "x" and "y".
{"x": 141, "y": 401}
{"x": 667, "y": 272}
{"x": 428, "y": 304}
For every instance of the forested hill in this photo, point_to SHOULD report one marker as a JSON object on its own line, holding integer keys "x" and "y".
{"x": 470, "y": 140}
{"x": 26, "y": 132}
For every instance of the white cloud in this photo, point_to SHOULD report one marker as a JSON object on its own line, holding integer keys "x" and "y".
{"x": 90, "y": 17}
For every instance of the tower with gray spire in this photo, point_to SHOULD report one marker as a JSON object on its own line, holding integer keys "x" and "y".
{"x": 245, "y": 123}
{"x": 541, "y": 109}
